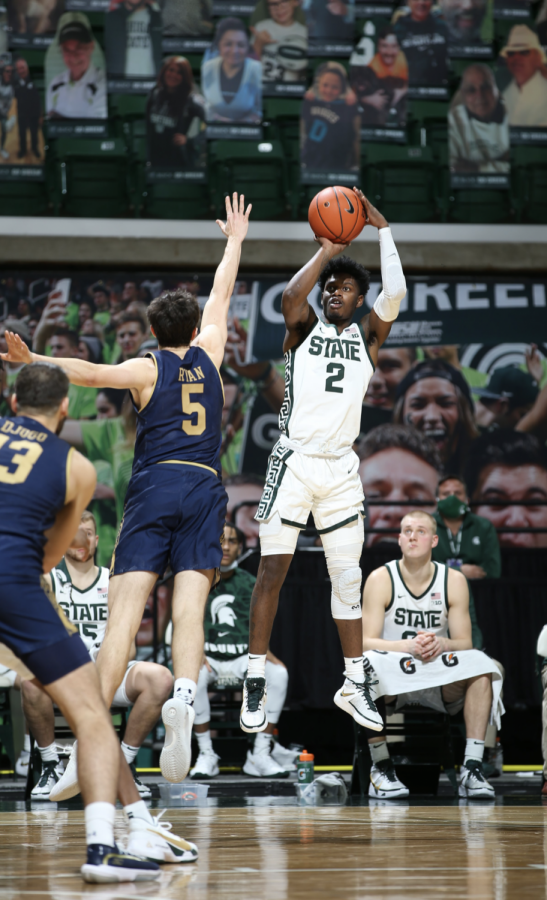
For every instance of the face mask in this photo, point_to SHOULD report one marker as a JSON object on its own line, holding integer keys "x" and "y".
{"x": 452, "y": 507}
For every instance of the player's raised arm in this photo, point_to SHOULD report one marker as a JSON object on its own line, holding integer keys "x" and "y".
{"x": 136, "y": 375}
{"x": 297, "y": 312}
{"x": 377, "y": 324}
{"x": 214, "y": 322}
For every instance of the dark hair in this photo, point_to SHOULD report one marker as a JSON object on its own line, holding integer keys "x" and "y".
{"x": 100, "y": 288}
{"x": 343, "y": 265}
{"x": 41, "y": 388}
{"x": 230, "y": 23}
{"x": 386, "y": 32}
{"x": 503, "y": 447}
{"x": 94, "y": 346}
{"x": 131, "y": 317}
{"x": 176, "y": 99}
{"x": 71, "y": 336}
{"x": 434, "y": 368}
{"x": 404, "y": 437}
{"x": 173, "y": 316}
{"x": 239, "y": 534}
{"x": 114, "y": 396}
{"x": 452, "y": 476}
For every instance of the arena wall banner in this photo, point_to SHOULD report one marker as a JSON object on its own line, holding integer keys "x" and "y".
{"x": 424, "y": 38}
{"x": 447, "y": 311}
{"x": 133, "y": 35}
{"x": 512, "y": 10}
{"x": 331, "y": 27}
{"x": 187, "y": 26}
{"x": 280, "y": 40}
{"x": 33, "y": 24}
{"x": 22, "y": 148}
{"x": 379, "y": 76}
{"x": 520, "y": 76}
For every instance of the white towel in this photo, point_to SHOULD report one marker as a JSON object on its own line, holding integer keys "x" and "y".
{"x": 400, "y": 673}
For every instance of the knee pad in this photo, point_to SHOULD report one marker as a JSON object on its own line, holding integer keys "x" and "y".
{"x": 342, "y": 552}
{"x": 277, "y": 538}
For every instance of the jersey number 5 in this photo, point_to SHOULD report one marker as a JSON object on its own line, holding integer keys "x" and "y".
{"x": 338, "y": 371}
{"x": 23, "y": 461}
{"x": 193, "y": 409}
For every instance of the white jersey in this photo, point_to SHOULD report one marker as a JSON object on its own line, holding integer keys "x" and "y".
{"x": 407, "y": 614}
{"x": 83, "y": 99}
{"x": 88, "y": 609}
{"x": 326, "y": 379}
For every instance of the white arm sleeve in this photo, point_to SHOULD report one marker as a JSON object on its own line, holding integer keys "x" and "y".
{"x": 393, "y": 279}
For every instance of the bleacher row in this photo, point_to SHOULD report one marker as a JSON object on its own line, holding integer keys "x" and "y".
{"x": 107, "y": 177}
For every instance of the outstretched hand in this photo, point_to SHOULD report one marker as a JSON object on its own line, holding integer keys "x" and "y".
{"x": 18, "y": 352}
{"x": 374, "y": 217}
{"x": 237, "y": 218}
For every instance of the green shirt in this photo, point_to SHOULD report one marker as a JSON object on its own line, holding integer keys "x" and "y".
{"x": 226, "y": 622}
{"x": 476, "y": 544}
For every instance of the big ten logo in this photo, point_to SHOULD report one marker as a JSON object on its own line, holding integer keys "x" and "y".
{"x": 407, "y": 665}
{"x": 450, "y": 659}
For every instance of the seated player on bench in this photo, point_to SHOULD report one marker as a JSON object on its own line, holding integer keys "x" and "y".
{"x": 81, "y": 589}
{"x": 226, "y": 646}
{"x": 410, "y": 607}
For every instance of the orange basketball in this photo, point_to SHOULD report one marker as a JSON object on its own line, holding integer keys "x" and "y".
{"x": 336, "y": 213}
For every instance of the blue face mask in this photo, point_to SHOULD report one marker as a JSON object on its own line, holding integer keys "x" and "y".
{"x": 452, "y": 507}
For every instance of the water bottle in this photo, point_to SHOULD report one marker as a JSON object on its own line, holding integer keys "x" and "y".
{"x": 304, "y": 769}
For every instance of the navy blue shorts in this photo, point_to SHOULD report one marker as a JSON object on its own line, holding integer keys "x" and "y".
{"x": 36, "y": 629}
{"x": 173, "y": 514}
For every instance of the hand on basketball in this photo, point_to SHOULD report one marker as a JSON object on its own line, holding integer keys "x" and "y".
{"x": 329, "y": 247}
{"x": 18, "y": 352}
{"x": 237, "y": 218}
{"x": 373, "y": 216}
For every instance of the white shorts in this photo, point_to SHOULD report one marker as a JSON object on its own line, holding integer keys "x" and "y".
{"x": 120, "y": 697}
{"x": 297, "y": 484}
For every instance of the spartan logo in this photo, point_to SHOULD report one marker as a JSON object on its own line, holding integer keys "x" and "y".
{"x": 408, "y": 665}
{"x": 222, "y": 612}
{"x": 450, "y": 659}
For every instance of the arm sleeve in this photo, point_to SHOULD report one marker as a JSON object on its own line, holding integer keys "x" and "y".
{"x": 393, "y": 279}
{"x": 491, "y": 562}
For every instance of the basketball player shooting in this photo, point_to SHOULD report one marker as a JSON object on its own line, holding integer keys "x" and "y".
{"x": 175, "y": 505}
{"x": 328, "y": 365}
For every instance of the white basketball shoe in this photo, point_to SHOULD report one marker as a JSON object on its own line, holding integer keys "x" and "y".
{"x": 473, "y": 784}
{"x": 49, "y": 777}
{"x": 176, "y": 756}
{"x": 253, "y": 716}
{"x": 206, "y": 765}
{"x": 357, "y": 699}
{"x": 384, "y": 784}
{"x": 67, "y": 786}
{"x": 155, "y": 841}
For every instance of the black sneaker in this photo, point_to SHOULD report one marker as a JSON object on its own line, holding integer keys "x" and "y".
{"x": 106, "y": 865}
{"x": 143, "y": 789}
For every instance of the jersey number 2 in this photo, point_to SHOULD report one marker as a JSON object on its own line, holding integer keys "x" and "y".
{"x": 192, "y": 409}
{"x": 338, "y": 371}
{"x": 23, "y": 461}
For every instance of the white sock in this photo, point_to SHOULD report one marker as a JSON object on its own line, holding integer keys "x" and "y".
{"x": 99, "y": 823}
{"x": 129, "y": 752}
{"x": 26, "y": 743}
{"x": 257, "y": 666}
{"x": 474, "y": 749}
{"x": 49, "y": 754}
{"x": 137, "y": 810}
{"x": 353, "y": 669}
{"x": 185, "y": 689}
{"x": 378, "y": 751}
{"x": 205, "y": 743}
{"x": 262, "y": 742}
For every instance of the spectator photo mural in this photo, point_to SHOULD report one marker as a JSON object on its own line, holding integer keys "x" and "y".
{"x": 436, "y": 404}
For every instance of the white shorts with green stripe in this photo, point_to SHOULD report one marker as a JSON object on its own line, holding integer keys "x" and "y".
{"x": 297, "y": 484}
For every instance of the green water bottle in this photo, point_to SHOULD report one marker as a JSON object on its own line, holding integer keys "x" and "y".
{"x": 304, "y": 770}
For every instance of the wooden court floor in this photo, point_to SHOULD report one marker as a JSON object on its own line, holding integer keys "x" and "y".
{"x": 289, "y": 853}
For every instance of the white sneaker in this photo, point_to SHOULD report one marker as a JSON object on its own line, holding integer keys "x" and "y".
{"x": 144, "y": 791}
{"x": 176, "y": 756}
{"x": 357, "y": 699}
{"x": 473, "y": 784}
{"x": 22, "y": 764}
{"x": 67, "y": 786}
{"x": 206, "y": 765}
{"x": 261, "y": 765}
{"x": 253, "y": 709}
{"x": 284, "y": 757}
{"x": 384, "y": 784}
{"x": 155, "y": 842}
{"x": 49, "y": 777}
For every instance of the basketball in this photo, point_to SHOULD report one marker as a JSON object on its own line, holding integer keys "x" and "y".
{"x": 337, "y": 214}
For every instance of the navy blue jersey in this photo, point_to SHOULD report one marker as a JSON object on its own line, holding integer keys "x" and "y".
{"x": 182, "y": 420}
{"x": 33, "y": 475}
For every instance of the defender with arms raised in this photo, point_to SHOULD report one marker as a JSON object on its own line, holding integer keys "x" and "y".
{"x": 312, "y": 468}
{"x": 176, "y": 504}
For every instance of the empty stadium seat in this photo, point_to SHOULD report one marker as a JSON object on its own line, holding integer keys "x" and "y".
{"x": 401, "y": 181}
{"x": 529, "y": 183}
{"x": 92, "y": 178}
{"x": 255, "y": 168}
{"x": 24, "y": 198}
